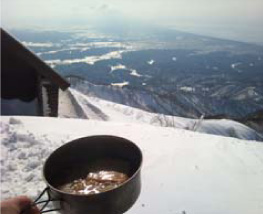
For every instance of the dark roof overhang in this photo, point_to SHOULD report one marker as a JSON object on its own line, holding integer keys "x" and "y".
{"x": 10, "y": 46}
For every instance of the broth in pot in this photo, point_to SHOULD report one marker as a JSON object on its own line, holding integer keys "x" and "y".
{"x": 95, "y": 182}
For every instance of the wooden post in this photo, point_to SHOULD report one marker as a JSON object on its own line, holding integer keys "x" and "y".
{"x": 52, "y": 91}
{"x": 40, "y": 107}
{"x": 50, "y": 98}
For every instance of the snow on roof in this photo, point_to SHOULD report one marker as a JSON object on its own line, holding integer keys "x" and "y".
{"x": 183, "y": 171}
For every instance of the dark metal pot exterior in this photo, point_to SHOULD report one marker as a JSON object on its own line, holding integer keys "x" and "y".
{"x": 116, "y": 201}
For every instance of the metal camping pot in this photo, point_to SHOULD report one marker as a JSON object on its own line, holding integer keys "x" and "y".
{"x": 77, "y": 158}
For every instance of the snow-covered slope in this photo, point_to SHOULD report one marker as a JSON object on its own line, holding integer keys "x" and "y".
{"x": 183, "y": 171}
{"x": 99, "y": 109}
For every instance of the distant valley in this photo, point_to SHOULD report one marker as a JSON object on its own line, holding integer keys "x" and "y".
{"x": 168, "y": 72}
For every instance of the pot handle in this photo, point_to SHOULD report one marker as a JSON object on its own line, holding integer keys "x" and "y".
{"x": 41, "y": 203}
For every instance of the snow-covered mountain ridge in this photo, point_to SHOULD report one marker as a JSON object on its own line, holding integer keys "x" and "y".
{"x": 177, "y": 103}
{"x": 93, "y": 107}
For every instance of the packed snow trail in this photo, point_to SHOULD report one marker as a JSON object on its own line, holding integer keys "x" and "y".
{"x": 183, "y": 171}
{"x": 69, "y": 107}
{"x": 90, "y": 110}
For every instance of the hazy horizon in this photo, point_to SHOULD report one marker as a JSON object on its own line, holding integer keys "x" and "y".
{"x": 239, "y": 20}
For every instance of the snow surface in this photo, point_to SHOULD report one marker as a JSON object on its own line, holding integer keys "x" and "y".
{"x": 39, "y": 44}
{"x": 133, "y": 72}
{"x": 77, "y": 46}
{"x": 183, "y": 171}
{"x": 89, "y": 59}
{"x": 187, "y": 89}
{"x": 117, "y": 67}
{"x": 234, "y": 66}
{"x": 150, "y": 62}
{"x": 62, "y": 50}
{"x": 120, "y": 84}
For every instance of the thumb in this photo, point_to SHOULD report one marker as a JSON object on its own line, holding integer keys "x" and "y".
{"x": 23, "y": 202}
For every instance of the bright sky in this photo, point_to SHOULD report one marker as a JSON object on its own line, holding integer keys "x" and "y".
{"x": 194, "y": 15}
